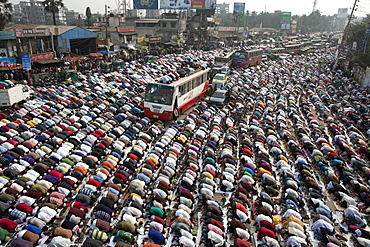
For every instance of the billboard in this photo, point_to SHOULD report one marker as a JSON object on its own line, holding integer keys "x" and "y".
{"x": 238, "y": 14}
{"x": 175, "y": 4}
{"x": 198, "y": 4}
{"x": 285, "y": 20}
{"x": 145, "y": 4}
{"x": 239, "y": 8}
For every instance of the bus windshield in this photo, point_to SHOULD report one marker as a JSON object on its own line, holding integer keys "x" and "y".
{"x": 240, "y": 55}
{"x": 158, "y": 93}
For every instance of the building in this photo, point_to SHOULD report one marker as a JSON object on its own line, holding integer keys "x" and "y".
{"x": 43, "y": 42}
{"x": 340, "y": 19}
{"x": 222, "y": 8}
{"x": 33, "y": 12}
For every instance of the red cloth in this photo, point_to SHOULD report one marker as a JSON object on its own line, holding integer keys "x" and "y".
{"x": 265, "y": 232}
{"x": 8, "y": 225}
{"x": 56, "y": 174}
{"x": 212, "y": 172}
{"x": 216, "y": 223}
{"x": 247, "y": 152}
{"x": 94, "y": 182}
{"x": 77, "y": 212}
{"x": 24, "y": 208}
{"x": 164, "y": 185}
{"x": 157, "y": 219}
{"x": 121, "y": 176}
{"x": 241, "y": 243}
{"x": 186, "y": 194}
{"x": 268, "y": 225}
{"x": 132, "y": 156}
{"x": 241, "y": 207}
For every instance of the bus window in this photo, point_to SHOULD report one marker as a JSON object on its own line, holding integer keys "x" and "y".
{"x": 159, "y": 94}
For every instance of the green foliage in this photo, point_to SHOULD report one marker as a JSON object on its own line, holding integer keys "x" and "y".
{"x": 6, "y": 13}
{"x": 53, "y": 6}
{"x": 355, "y": 33}
{"x": 88, "y": 16}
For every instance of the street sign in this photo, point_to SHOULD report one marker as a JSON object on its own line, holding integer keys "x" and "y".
{"x": 26, "y": 61}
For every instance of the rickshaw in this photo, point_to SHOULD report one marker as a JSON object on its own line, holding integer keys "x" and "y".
{"x": 119, "y": 64}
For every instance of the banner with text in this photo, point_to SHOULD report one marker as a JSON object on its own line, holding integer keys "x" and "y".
{"x": 155, "y": 39}
{"x": 175, "y": 4}
{"x": 145, "y": 4}
{"x": 42, "y": 56}
{"x": 198, "y": 4}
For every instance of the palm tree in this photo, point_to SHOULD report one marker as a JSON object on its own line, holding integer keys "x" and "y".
{"x": 53, "y": 6}
{"x": 6, "y": 16}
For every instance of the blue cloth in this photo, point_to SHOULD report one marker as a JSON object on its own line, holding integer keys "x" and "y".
{"x": 34, "y": 229}
{"x": 157, "y": 237}
{"x": 99, "y": 179}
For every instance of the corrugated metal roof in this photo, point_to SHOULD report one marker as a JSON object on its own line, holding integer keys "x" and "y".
{"x": 55, "y": 30}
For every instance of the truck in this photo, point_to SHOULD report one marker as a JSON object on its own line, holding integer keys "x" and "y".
{"x": 13, "y": 95}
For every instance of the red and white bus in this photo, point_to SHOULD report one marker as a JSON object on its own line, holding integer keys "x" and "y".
{"x": 246, "y": 58}
{"x": 168, "y": 101}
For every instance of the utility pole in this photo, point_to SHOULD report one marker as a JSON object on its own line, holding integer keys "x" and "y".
{"x": 344, "y": 34}
{"x": 106, "y": 27}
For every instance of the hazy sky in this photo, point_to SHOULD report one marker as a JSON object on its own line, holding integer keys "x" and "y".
{"x": 327, "y": 7}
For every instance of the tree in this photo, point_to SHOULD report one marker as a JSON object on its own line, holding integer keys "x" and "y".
{"x": 5, "y": 13}
{"x": 53, "y": 6}
{"x": 88, "y": 16}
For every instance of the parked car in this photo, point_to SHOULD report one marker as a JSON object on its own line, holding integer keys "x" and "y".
{"x": 218, "y": 97}
{"x": 219, "y": 81}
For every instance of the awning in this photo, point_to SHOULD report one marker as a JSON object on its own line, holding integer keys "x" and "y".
{"x": 49, "y": 61}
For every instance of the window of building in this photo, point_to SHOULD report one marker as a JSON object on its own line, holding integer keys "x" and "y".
{"x": 173, "y": 24}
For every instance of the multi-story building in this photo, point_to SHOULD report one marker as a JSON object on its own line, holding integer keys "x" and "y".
{"x": 222, "y": 8}
{"x": 31, "y": 12}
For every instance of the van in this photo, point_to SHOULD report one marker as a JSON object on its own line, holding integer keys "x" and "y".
{"x": 218, "y": 97}
{"x": 219, "y": 81}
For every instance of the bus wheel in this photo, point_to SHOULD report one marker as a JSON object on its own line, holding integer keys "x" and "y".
{"x": 176, "y": 113}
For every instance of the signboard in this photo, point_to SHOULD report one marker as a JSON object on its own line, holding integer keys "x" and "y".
{"x": 140, "y": 39}
{"x": 155, "y": 39}
{"x": 7, "y": 35}
{"x": 238, "y": 14}
{"x": 239, "y": 8}
{"x": 198, "y": 4}
{"x": 26, "y": 61}
{"x": 8, "y": 60}
{"x": 42, "y": 56}
{"x": 286, "y": 19}
{"x": 145, "y": 4}
{"x": 175, "y": 4}
{"x": 32, "y": 32}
